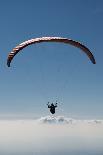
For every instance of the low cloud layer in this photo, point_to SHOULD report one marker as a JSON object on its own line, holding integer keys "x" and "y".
{"x": 66, "y": 120}
{"x": 51, "y": 135}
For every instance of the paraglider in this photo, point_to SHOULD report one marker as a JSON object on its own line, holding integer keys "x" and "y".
{"x": 50, "y": 39}
{"x": 52, "y": 107}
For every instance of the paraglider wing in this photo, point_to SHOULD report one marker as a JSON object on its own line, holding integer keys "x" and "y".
{"x": 50, "y": 39}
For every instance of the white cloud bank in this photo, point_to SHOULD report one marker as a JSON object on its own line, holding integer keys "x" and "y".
{"x": 51, "y": 134}
{"x": 66, "y": 120}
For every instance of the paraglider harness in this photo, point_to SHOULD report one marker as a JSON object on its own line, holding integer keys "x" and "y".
{"x": 52, "y": 107}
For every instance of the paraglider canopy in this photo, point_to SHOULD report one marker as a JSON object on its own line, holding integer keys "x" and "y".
{"x": 50, "y": 39}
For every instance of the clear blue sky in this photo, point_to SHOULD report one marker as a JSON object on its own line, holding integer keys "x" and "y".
{"x": 49, "y": 71}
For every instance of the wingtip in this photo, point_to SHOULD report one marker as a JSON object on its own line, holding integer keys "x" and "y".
{"x": 94, "y": 62}
{"x": 8, "y": 64}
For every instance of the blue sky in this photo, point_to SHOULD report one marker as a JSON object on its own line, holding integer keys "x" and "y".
{"x": 49, "y": 71}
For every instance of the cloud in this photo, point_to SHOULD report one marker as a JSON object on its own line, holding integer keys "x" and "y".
{"x": 66, "y": 120}
{"x": 35, "y": 136}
